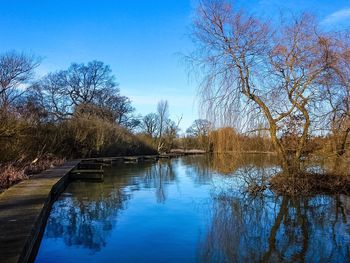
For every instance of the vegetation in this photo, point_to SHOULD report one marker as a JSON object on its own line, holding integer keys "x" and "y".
{"x": 288, "y": 81}
{"x": 73, "y": 113}
{"x": 281, "y": 88}
{"x": 159, "y": 130}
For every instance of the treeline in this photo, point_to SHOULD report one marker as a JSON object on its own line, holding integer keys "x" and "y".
{"x": 158, "y": 130}
{"x": 73, "y": 113}
{"x": 201, "y": 135}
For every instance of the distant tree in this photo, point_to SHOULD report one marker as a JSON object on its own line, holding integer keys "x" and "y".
{"x": 163, "y": 116}
{"x": 85, "y": 89}
{"x": 160, "y": 128}
{"x": 79, "y": 84}
{"x": 150, "y": 124}
{"x": 199, "y": 132}
{"x": 16, "y": 71}
{"x": 120, "y": 107}
{"x": 53, "y": 95}
{"x": 199, "y": 127}
{"x": 83, "y": 82}
{"x": 170, "y": 134}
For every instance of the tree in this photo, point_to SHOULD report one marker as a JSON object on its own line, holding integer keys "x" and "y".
{"x": 53, "y": 95}
{"x": 150, "y": 124}
{"x": 80, "y": 84}
{"x": 16, "y": 70}
{"x": 199, "y": 127}
{"x": 336, "y": 93}
{"x": 170, "y": 134}
{"x": 120, "y": 108}
{"x": 84, "y": 82}
{"x": 199, "y": 131}
{"x": 163, "y": 116}
{"x": 85, "y": 89}
{"x": 249, "y": 67}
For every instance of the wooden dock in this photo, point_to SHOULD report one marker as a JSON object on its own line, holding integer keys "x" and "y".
{"x": 91, "y": 171}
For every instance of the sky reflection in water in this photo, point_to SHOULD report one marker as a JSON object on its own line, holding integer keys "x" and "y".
{"x": 193, "y": 209}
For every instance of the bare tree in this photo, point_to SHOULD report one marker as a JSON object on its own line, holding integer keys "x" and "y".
{"x": 163, "y": 113}
{"x": 85, "y": 89}
{"x": 52, "y": 94}
{"x": 84, "y": 82}
{"x": 119, "y": 106}
{"x": 16, "y": 70}
{"x": 163, "y": 116}
{"x": 199, "y": 131}
{"x": 150, "y": 124}
{"x": 199, "y": 127}
{"x": 337, "y": 92}
{"x": 249, "y": 67}
{"x": 170, "y": 134}
{"x": 79, "y": 84}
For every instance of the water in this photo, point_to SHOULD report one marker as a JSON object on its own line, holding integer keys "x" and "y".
{"x": 193, "y": 209}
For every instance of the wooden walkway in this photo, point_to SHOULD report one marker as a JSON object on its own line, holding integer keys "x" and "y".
{"x": 24, "y": 209}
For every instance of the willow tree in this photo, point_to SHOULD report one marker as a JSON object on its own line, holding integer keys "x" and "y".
{"x": 273, "y": 71}
{"x": 336, "y": 86}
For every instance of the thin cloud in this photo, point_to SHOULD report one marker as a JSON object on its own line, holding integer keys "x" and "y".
{"x": 337, "y": 16}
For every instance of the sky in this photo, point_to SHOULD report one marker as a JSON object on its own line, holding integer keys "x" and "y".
{"x": 142, "y": 40}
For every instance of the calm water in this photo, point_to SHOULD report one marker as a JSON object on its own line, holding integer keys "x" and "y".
{"x": 193, "y": 209}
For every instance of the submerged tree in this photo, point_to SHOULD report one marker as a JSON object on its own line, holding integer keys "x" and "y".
{"x": 249, "y": 67}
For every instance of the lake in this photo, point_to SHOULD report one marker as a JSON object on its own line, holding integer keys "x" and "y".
{"x": 194, "y": 209}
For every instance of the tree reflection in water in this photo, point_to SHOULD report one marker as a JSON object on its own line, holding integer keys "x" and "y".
{"x": 271, "y": 228}
{"x": 85, "y": 218}
{"x": 207, "y": 192}
{"x": 276, "y": 229}
{"x": 158, "y": 176}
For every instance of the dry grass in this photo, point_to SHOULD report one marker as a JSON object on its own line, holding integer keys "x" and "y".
{"x": 10, "y": 174}
{"x": 46, "y": 162}
{"x": 13, "y": 173}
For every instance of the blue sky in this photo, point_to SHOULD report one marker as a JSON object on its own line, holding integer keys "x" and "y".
{"x": 141, "y": 40}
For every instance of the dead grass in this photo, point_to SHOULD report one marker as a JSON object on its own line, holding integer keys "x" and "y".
{"x": 45, "y": 162}
{"x": 13, "y": 173}
{"x": 10, "y": 174}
